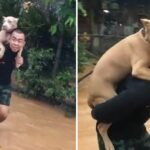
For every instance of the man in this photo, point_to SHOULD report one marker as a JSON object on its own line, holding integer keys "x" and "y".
{"x": 7, "y": 64}
{"x": 128, "y": 112}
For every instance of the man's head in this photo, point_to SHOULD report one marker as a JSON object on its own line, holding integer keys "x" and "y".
{"x": 17, "y": 40}
{"x": 9, "y": 23}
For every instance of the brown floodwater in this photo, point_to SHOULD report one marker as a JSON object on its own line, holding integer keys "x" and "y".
{"x": 34, "y": 125}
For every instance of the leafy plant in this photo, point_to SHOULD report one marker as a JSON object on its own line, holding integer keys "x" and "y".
{"x": 82, "y": 56}
{"x": 49, "y": 26}
{"x": 82, "y": 11}
{"x": 37, "y": 80}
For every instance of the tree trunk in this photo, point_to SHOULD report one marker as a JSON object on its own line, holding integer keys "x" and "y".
{"x": 58, "y": 54}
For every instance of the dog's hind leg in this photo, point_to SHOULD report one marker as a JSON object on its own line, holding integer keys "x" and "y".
{"x": 103, "y": 128}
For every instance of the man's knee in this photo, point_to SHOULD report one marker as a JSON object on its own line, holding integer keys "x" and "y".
{"x": 3, "y": 112}
{"x": 3, "y": 116}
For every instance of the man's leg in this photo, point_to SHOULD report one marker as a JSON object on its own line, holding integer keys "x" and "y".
{"x": 4, "y": 110}
{"x": 5, "y": 95}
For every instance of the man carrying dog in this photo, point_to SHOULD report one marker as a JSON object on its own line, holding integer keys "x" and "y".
{"x": 128, "y": 112}
{"x": 7, "y": 64}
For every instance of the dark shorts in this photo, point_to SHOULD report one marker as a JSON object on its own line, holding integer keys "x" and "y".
{"x": 5, "y": 94}
{"x": 141, "y": 142}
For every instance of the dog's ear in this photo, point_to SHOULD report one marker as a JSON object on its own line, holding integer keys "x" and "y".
{"x": 145, "y": 21}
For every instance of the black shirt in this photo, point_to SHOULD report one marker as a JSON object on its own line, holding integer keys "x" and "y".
{"x": 7, "y": 64}
{"x": 128, "y": 111}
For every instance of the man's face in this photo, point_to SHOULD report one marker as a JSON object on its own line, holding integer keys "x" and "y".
{"x": 17, "y": 41}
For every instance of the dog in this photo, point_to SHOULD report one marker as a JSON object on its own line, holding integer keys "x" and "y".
{"x": 9, "y": 24}
{"x": 130, "y": 55}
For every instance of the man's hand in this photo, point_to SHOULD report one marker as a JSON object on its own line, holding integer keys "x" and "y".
{"x": 19, "y": 61}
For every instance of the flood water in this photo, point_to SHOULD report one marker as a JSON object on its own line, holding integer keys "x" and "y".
{"x": 33, "y": 125}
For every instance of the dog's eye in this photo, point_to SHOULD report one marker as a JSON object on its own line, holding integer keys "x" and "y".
{"x": 9, "y": 21}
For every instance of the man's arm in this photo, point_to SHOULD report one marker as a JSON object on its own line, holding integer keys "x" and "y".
{"x": 123, "y": 104}
{"x": 19, "y": 61}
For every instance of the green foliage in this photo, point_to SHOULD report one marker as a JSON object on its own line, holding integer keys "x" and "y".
{"x": 44, "y": 24}
{"x": 82, "y": 11}
{"x": 39, "y": 61}
{"x": 38, "y": 70}
{"x": 36, "y": 26}
{"x": 82, "y": 56}
{"x": 38, "y": 81}
{"x": 10, "y": 7}
{"x": 64, "y": 16}
{"x": 60, "y": 88}
{"x": 53, "y": 29}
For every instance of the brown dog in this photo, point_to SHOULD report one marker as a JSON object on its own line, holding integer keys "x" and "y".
{"x": 130, "y": 55}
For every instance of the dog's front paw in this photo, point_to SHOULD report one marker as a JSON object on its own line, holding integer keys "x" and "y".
{"x": 2, "y": 50}
{"x": 1, "y": 55}
{"x": 109, "y": 146}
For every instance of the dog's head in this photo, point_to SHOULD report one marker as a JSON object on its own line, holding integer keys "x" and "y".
{"x": 9, "y": 23}
{"x": 146, "y": 24}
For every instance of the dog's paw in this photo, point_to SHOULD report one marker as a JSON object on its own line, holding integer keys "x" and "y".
{"x": 107, "y": 142}
{"x": 2, "y": 50}
{"x": 109, "y": 147}
{"x": 1, "y": 53}
{"x": 1, "y": 56}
